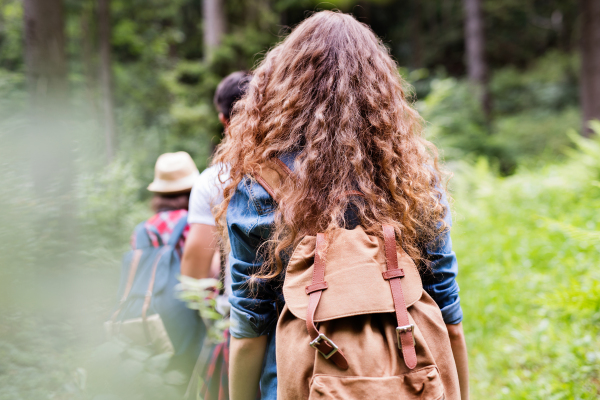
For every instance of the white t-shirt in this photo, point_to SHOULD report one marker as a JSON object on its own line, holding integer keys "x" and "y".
{"x": 207, "y": 192}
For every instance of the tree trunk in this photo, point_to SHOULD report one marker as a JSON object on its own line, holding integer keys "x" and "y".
{"x": 416, "y": 36}
{"x": 362, "y": 11}
{"x": 214, "y": 25}
{"x": 475, "y": 51}
{"x": 88, "y": 58}
{"x": 590, "y": 62}
{"x": 106, "y": 77}
{"x": 45, "y": 58}
{"x": 46, "y": 67}
{"x": 50, "y": 139}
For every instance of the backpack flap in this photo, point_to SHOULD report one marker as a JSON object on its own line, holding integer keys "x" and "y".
{"x": 354, "y": 262}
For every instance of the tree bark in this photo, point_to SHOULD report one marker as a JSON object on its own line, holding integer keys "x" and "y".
{"x": 50, "y": 139}
{"x": 106, "y": 77}
{"x": 362, "y": 11}
{"x": 214, "y": 25}
{"x": 590, "y": 62}
{"x": 416, "y": 35}
{"x": 475, "y": 51}
{"x": 89, "y": 57}
{"x": 45, "y": 58}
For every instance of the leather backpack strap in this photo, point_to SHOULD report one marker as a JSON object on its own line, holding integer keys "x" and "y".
{"x": 404, "y": 331}
{"x": 149, "y": 293}
{"x": 319, "y": 341}
{"x": 271, "y": 176}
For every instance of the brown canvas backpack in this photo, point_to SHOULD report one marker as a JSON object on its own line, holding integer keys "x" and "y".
{"x": 357, "y": 323}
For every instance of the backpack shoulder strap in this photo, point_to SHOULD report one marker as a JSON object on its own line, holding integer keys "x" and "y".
{"x": 405, "y": 330}
{"x": 141, "y": 236}
{"x": 271, "y": 176}
{"x": 178, "y": 231}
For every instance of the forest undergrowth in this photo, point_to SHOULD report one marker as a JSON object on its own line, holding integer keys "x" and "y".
{"x": 528, "y": 249}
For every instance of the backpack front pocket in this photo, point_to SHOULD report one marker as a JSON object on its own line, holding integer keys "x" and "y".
{"x": 423, "y": 384}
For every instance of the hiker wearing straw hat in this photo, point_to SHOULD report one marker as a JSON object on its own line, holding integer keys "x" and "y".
{"x": 202, "y": 256}
{"x": 174, "y": 176}
{"x": 149, "y": 317}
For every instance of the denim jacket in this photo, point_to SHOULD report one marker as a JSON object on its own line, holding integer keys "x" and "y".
{"x": 250, "y": 217}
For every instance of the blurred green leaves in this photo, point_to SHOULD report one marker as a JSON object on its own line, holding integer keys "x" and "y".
{"x": 201, "y": 295}
{"x": 532, "y": 110}
{"x": 528, "y": 255}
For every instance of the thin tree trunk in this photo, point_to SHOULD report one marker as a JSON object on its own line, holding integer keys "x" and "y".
{"x": 416, "y": 35}
{"x": 590, "y": 62}
{"x": 45, "y": 58}
{"x": 89, "y": 58}
{"x": 214, "y": 25}
{"x": 50, "y": 139}
{"x": 106, "y": 77}
{"x": 362, "y": 11}
{"x": 475, "y": 51}
{"x": 46, "y": 67}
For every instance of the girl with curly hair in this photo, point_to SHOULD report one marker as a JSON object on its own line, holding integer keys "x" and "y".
{"x": 329, "y": 103}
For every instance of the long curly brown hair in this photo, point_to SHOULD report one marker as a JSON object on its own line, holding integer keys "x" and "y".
{"x": 331, "y": 92}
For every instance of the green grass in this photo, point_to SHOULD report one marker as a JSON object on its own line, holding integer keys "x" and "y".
{"x": 529, "y": 250}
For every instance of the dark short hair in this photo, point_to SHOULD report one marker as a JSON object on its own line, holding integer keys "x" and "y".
{"x": 230, "y": 90}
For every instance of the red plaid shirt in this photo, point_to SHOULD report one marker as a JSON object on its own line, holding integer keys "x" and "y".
{"x": 164, "y": 222}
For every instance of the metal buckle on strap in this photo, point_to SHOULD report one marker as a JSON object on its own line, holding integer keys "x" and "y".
{"x": 317, "y": 342}
{"x": 404, "y": 329}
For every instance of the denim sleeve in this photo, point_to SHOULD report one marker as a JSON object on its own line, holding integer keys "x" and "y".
{"x": 440, "y": 283}
{"x": 249, "y": 223}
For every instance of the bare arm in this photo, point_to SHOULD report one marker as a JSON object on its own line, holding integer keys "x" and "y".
{"x": 459, "y": 349}
{"x": 199, "y": 250}
{"x": 245, "y": 364}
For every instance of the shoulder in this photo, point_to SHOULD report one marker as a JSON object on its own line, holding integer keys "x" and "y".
{"x": 250, "y": 217}
{"x": 210, "y": 180}
{"x": 207, "y": 192}
{"x": 251, "y": 204}
{"x": 250, "y": 194}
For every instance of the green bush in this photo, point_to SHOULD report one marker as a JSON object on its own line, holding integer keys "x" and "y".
{"x": 532, "y": 110}
{"x": 550, "y": 83}
{"x": 109, "y": 206}
{"x": 528, "y": 248}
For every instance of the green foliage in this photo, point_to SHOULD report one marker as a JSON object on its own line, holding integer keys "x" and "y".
{"x": 35, "y": 363}
{"x": 11, "y": 27}
{"x": 12, "y": 93}
{"x": 455, "y": 120}
{"x": 109, "y": 207}
{"x": 120, "y": 370}
{"x": 528, "y": 253}
{"x": 201, "y": 294}
{"x": 532, "y": 110}
{"x": 549, "y": 84}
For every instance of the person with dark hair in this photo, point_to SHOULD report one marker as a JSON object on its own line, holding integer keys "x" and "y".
{"x": 202, "y": 256}
{"x": 174, "y": 175}
{"x": 201, "y": 259}
{"x": 230, "y": 90}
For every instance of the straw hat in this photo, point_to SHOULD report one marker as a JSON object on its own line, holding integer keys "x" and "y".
{"x": 174, "y": 172}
